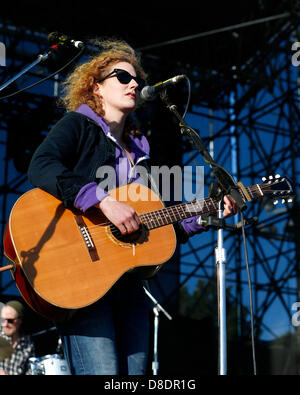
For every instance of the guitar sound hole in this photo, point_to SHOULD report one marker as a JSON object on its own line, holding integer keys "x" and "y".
{"x": 137, "y": 237}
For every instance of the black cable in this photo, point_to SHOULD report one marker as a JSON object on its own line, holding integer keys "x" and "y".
{"x": 250, "y": 294}
{"x": 46, "y": 78}
{"x": 216, "y": 31}
{"x": 189, "y": 96}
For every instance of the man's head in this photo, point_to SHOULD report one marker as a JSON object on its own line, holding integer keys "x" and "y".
{"x": 12, "y": 315}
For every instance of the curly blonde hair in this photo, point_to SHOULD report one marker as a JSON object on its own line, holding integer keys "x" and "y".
{"x": 78, "y": 87}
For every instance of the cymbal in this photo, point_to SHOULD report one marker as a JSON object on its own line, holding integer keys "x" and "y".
{"x": 5, "y": 348}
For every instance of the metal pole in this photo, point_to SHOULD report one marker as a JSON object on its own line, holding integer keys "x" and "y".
{"x": 220, "y": 261}
{"x": 155, "y": 363}
{"x": 22, "y": 72}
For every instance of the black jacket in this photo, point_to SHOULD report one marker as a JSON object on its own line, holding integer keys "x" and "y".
{"x": 69, "y": 157}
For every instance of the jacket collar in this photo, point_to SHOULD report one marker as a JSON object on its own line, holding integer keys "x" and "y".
{"x": 84, "y": 109}
{"x": 139, "y": 145}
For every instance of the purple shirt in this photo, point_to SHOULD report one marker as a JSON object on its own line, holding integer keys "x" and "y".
{"x": 91, "y": 194}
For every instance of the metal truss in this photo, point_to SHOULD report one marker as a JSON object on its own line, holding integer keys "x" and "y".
{"x": 25, "y": 119}
{"x": 252, "y": 129}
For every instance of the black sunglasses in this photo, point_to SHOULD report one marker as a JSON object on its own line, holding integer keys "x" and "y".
{"x": 124, "y": 78}
{"x": 9, "y": 320}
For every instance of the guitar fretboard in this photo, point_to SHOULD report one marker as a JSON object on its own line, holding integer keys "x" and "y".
{"x": 172, "y": 214}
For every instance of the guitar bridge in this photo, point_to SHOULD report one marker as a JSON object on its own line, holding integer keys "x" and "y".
{"x": 87, "y": 238}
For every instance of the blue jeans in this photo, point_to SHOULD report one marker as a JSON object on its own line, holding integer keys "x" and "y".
{"x": 110, "y": 337}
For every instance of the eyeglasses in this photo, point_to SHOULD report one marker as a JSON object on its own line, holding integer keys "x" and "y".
{"x": 124, "y": 78}
{"x": 9, "y": 320}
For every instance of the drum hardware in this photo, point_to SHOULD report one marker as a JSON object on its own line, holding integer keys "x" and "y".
{"x": 52, "y": 364}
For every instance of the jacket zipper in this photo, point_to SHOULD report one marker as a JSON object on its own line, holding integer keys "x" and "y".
{"x": 132, "y": 166}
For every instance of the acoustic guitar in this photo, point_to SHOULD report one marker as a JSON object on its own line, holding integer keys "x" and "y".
{"x": 63, "y": 260}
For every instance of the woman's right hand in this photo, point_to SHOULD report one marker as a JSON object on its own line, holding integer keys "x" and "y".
{"x": 120, "y": 214}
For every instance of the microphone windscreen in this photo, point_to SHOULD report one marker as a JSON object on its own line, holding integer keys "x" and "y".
{"x": 53, "y": 38}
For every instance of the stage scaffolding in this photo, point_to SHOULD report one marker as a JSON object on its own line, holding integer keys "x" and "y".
{"x": 249, "y": 120}
{"x": 252, "y": 129}
{"x": 248, "y": 117}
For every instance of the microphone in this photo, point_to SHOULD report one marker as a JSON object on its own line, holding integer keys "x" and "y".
{"x": 210, "y": 221}
{"x": 246, "y": 222}
{"x": 149, "y": 92}
{"x": 58, "y": 39}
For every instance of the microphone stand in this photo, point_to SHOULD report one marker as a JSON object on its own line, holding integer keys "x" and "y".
{"x": 220, "y": 253}
{"x": 156, "y": 310}
{"x": 227, "y": 186}
{"x": 40, "y": 58}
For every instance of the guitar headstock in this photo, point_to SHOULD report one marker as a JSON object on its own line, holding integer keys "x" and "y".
{"x": 277, "y": 187}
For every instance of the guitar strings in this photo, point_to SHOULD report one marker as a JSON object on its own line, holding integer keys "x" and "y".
{"x": 157, "y": 215}
{"x": 96, "y": 229}
{"x": 165, "y": 213}
{"x": 181, "y": 206}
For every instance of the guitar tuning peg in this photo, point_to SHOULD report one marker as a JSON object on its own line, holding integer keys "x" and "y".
{"x": 275, "y": 202}
{"x": 290, "y": 200}
{"x": 264, "y": 179}
{"x": 283, "y": 201}
{"x": 277, "y": 176}
{"x": 271, "y": 177}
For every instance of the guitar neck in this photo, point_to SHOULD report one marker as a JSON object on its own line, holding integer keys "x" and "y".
{"x": 173, "y": 214}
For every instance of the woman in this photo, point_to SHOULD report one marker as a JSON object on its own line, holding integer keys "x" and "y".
{"x": 111, "y": 336}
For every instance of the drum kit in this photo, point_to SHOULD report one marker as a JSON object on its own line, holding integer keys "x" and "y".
{"x": 52, "y": 364}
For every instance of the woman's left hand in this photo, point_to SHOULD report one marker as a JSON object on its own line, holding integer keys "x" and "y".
{"x": 230, "y": 207}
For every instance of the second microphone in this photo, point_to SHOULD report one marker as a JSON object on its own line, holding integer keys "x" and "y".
{"x": 149, "y": 92}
